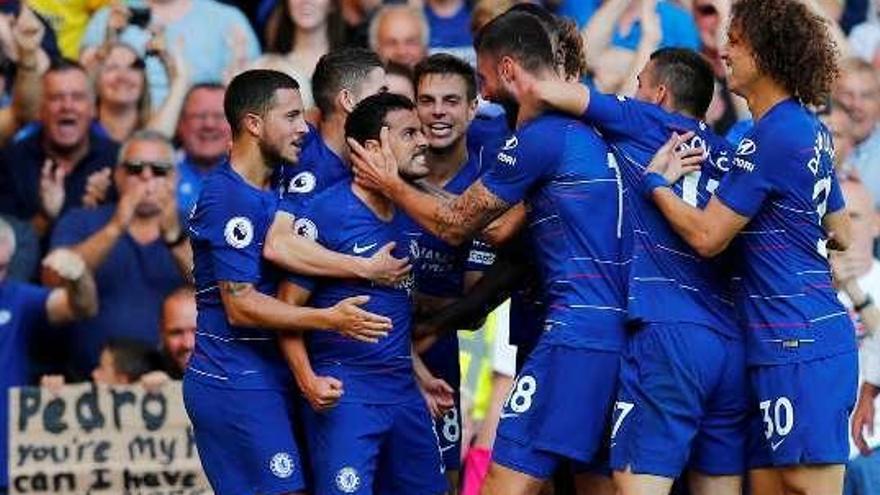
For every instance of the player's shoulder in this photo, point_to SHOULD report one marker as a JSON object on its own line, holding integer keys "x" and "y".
{"x": 330, "y": 202}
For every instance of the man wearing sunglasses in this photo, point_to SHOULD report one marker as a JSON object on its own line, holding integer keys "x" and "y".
{"x": 136, "y": 248}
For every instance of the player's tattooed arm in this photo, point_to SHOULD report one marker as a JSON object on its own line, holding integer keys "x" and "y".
{"x": 453, "y": 220}
{"x": 235, "y": 289}
{"x": 457, "y": 220}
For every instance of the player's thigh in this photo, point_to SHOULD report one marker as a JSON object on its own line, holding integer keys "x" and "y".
{"x": 630, "y": 483}
{"x": 411, "y": 462}
{"x": 594, "y": 484}
{"x": 719, "y": 449}
{"x": 800, "y": 412}
{"x": 667, "y": 375}
{"x": 344, "y": 444}
{"x": 813, "y": 480}
{"x": 766, "y": 482}
{"x": 245, "y": 439}
{"x": 502, "y": 480}
{"x": 704, "y": 484}
{"x": 559, "y": 404}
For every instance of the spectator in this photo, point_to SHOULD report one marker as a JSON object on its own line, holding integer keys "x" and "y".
{"x": 123, "y": 96}
{"x": 123, "y": 362}
{"x": 25, "y": 48}
{"x": 449, "y": 27}
{"x": 622, "y": 29}
{"x": 400, "y": 80}
{"x": 204, "y": 136}
{"x": 840, "y": 125}
{"x": 303, "y": 31}
{"x": 24, "y": 309}
{"x": 213, "y": 37}
{"x": 46, "y": 173}
{"x": 858, "y": 90}
{"x": 399, "y": 33}
{"x": 178, "y": 330}
{"x": 857, "y": 276}
{"x": 136, "y": 248}
{"x": 357, "y": 15}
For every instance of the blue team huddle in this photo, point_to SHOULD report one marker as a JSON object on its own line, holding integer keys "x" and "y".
{"x": 687, "y": 319}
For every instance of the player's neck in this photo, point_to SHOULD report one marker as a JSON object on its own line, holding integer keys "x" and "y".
{"x": 333, "y": 134}
{"x": 248, "y": 162}
{"x": 764, "y": 95}
{"x": 381, "y": 206}
{"x": 445, "y": 164}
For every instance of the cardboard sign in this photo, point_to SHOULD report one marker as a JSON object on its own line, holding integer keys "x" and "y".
{"x": 91, "y": 439}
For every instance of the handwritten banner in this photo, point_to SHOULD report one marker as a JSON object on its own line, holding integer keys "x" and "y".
{"x": 90, "y": 439}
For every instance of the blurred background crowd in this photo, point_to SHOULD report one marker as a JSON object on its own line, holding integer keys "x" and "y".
{"x": 78, "y": 78}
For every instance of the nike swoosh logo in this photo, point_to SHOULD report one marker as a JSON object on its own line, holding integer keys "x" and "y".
{"x": 361, "y": 250}
{"x": 775, "y": 445}
{"x": 508, "y": 415}
{"x": 444, "y": 449}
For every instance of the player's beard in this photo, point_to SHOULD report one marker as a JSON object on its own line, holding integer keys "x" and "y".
{"x": 272, "y": 158}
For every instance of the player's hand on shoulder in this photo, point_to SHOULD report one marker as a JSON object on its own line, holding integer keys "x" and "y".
{"x": 384, "y": 269}
{"x": 675, "y": 159}
{"x": 351, "y": 320}
{"x": 322, "y": 392}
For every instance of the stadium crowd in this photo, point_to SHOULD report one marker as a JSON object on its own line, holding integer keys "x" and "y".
{"x": 112, "y": 118}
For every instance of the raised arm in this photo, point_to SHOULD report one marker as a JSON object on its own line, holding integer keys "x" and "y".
{"x": 77, "y": 298}
{"x": 164, "y": 119}
{"x": 600, "y": 29}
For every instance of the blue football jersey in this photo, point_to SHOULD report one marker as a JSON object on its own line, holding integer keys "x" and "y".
{"x": 573, "y": 192}
{"x": 669, "y": 281}
{"x": 440, "y": 269}
{"x": 783, "y": 180}
{"x": 371, "y": 372}
{"x": 318, "y": 168}
{"x": 227, "y": 229}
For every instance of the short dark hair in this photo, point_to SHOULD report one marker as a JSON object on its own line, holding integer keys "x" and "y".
{"x": 338, "y": 70}
{"x": 132, "y": 358}
{"x": 446, "y": 64}
{"x": 790, "y": 44}
{"x": 688, "y": 77}
{"x": 368, "y": 117}
{"x": 520, "y": 36}
{"x": 253, "y": 91}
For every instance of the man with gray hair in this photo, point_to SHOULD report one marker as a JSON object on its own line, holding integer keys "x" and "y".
{"x": 399, "y": 33}
{"x": 26, "y": 308}
{"x": 136, "y": 248}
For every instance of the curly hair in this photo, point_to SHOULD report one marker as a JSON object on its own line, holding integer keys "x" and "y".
{"x": 790, "y": 44}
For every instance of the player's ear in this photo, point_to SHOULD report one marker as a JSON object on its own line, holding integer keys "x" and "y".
{"x": 345, "y": 100}
{"x": 252, "y": 124}
{"x": 373, "y": 146}
{"x": 506, "y": 68}
{"x": 660, "y": 97}
{"x": 472, "y": 109}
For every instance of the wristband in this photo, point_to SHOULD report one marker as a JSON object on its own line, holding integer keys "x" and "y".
{"x": 864, "y": 304}
{"x": 651, "y": 181}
